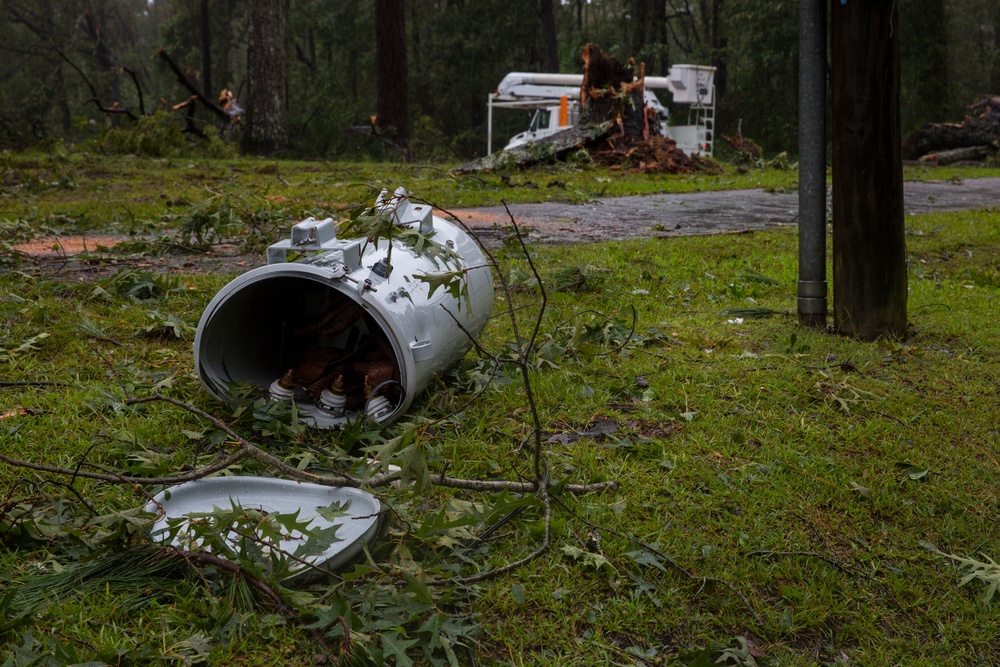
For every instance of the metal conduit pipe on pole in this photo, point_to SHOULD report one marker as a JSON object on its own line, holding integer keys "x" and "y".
{"x": 812, "y": 288}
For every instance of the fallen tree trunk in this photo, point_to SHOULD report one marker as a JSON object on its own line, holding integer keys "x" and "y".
{"x": 544, "y": 151}
{"x": 970, "y": 154}
{"x": 981, "y": 130}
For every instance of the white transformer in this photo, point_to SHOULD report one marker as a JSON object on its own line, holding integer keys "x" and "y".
{"x": 340, "y": 326}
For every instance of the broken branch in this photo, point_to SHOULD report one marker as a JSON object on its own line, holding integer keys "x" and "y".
{"x": 183, "y": 79}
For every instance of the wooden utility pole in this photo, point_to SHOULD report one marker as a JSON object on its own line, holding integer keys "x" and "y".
{"x": 869, "y": 251}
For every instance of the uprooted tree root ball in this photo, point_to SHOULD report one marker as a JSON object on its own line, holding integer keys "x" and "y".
{"x": 656, "y": 155}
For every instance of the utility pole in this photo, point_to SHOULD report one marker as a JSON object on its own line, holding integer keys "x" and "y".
{"x": 869, "y": 249}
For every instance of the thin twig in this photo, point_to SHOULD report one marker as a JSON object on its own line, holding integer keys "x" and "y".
{"x": 248, "y": 449}
{"x": 72, "y": 489}
{"x": 111, "y": 367}
{"x": 222, "y": 464}
{"x": 508, "y": 295}
{"x": 543, "y": 495}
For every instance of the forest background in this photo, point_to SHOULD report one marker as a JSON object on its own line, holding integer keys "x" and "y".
{"x": 456, "y": 51}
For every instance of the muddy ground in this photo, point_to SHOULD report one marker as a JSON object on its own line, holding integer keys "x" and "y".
{"x": 665, "y": 215}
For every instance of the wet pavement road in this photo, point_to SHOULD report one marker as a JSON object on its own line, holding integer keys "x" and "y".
{"x": 698, "y": 213}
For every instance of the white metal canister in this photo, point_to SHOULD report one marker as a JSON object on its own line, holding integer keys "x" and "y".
{"x": 342, "y": 327}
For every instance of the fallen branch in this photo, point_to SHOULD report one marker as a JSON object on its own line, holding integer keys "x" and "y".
{"x": 95, "y": 98}
{"x": 187, "y": 83}
{"x": 543, "y": 495}
{"x": 249, "y": 450}
{"x": 138, "y": 89}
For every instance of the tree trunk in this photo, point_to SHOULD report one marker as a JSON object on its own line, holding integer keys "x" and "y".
{"x": 995, "y": 69}
{"x": 609, "y": 93}
{"x": 392, "y": 109}
{"x": 206, "y": 52}
{"x": 267, "y": 115}
{"x": 640, "y": 19}
{"x": 550, "y": 50}
{"x": 94, "y": 20}
{"x": 720, "y": 49}
{"x": 924, "y": 56}
{"x": 869, "y": 251}
{"x": 415, "y": 44}
{"x": 661, "y": 32}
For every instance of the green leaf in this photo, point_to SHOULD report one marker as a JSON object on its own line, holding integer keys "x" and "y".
{"x": 588, "y": 558}
{"x": 645, "y": 558}
{"x": 333, "y": 511}
{"x": 394, "y": 645}
{"x": 319, "y": 541}
{"x": 453, "y": 282}
{"x": 915, "y": 473}
{"x": 863, "y": 490}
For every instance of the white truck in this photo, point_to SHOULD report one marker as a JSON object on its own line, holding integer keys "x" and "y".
{"x": 555, "y": 99}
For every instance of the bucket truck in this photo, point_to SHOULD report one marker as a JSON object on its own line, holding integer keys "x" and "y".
{"x": 555, "y": 99}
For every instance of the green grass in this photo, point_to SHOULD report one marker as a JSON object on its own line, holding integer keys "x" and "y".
{"x": 796, "y": 475}
{"x": 53, "y": 193}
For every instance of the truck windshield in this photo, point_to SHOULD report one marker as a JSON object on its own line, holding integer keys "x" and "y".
{"x": 540, "y": 120}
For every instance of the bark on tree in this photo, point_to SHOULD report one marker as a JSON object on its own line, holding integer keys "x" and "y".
{"x": 392, "y": 110}
{"x": 94, "y": 20}
{"x": 206, "y": 51}
{"x": 550, "y": 50}
{"x": 266, "y": 119}
{"x": 719, "y": 44}
{"x": 640, "y": 18}
{"x": 995, "y": 69}
{"x": 869, "y": 252}
{"x": 924, "y": 55}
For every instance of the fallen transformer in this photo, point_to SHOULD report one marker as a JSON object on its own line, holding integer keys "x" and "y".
{"x": 350, "y": 328}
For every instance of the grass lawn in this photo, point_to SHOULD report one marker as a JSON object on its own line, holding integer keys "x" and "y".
{"x": 787, "y": 496}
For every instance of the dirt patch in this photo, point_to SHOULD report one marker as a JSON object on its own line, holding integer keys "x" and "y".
{"x": 95, "y": 255}
{"x": 67, "y": 246}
